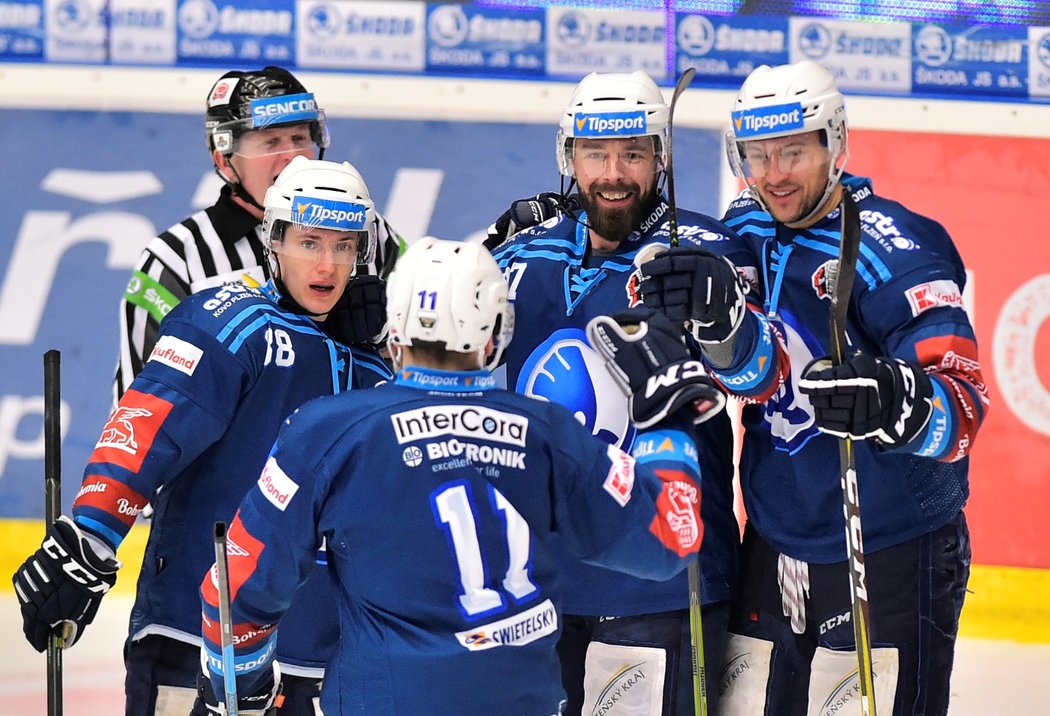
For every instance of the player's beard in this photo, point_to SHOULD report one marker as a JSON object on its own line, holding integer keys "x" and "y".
{"x": 615, "y": 224}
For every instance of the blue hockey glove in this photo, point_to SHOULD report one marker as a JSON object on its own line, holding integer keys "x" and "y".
{"x": 62, "y": 585}
{"x": 646, "y": 355}
{"x": 867, "y": 397}
{"x": 694, "y": 286}
{"x": 526, "y": 213}
{"x": 359, "y": 317}
{"x": 263, "y": 701}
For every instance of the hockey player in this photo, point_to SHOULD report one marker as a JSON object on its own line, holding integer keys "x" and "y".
{"x": 910, "y": 393}
{"x": 612, "y": 143}
{"x": 230, "y": 364}
{"x": 435, "y": 494}
{"x": 256, "y": 122}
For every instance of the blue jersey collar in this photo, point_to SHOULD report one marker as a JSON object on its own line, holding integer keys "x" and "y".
{"x": 446, "y": 381}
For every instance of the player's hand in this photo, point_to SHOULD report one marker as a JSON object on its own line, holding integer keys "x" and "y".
{"x": 867, "y": 397}
{"x": 526, "y": 213}
{"x": 263, "y": 701}
{"x": 693, "y": 286}
{"x": 61, "y": 585}
{"x": 647, "y": 357}
{"x": 359, "y": 317}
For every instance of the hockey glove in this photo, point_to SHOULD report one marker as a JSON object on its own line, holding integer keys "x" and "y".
{"x": 526, "y": 213}
{"x": 264, "y": 701}
{"x": 62, "y": 584}
{"x": 695, "y": 286}
{"x": 868, "y": 397}
{"x": 648, "y": 359}
{"x": 359, "y": 317}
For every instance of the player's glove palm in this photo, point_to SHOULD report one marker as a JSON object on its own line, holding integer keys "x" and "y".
{"x": 62, "y": 585}
{"x": 694, "y": 286}
{"x": 359, "y": 317}
{"x": 648, "y": 359}
{"x": 867, "y": 397}
{"x": 526, "y": 213}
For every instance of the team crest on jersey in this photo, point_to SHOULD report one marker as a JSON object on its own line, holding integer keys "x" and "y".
{"x": 130, "y": 430}
{"x": 633, "y": 288}
{"x": 564, "y": 369}
{"x": 823, "y": 279}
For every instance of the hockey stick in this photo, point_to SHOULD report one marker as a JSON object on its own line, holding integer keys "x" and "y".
{"x": 53, "y": 508}
{"x": 229, "y": 673}
{"x": 840, "y": 295}
{"x": 672, "y": 219}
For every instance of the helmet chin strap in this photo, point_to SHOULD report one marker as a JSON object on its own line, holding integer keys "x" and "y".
{"x": 238, "y": 186}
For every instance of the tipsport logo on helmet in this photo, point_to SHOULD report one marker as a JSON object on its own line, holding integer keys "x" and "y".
{"x": 611, "y": 124}
{"x": 283, "y": 110}
{"x": 762, "y": 121}
{"x": 328, "y": 214}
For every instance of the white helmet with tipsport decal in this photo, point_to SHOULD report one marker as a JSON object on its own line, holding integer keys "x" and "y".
{"x": 784, "y": 100}
{"x": 318, "y": 194}
{"x": 610, "y": 106}
{"x": 450, "y": 293}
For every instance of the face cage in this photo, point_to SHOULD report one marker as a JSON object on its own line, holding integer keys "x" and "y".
{"x": 563, "y": 149}
{"x": 735, "y": 154}
{"x": 226, "y": 137}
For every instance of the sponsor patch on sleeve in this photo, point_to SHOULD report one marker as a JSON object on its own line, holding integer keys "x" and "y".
{"x": 620, "y": 480}
{"x": 943, "y": 292}
{"x": 111, "y": 496}
{"x": 276, "y": 485}
{"x": 176, "y": 353}
{"x": 129, "y": 433}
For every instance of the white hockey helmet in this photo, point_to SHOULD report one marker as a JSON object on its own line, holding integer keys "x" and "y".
{"x": 313, "y": 193}
{"x": 613, "y": 105}
{"x": 449, "y": 292}
{"x": 784, "y": 100}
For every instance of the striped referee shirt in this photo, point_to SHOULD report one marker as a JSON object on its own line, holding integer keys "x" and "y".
{"x": 216, "y": 245}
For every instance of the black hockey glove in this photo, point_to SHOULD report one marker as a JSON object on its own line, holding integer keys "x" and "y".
{"x": 526, "y": 213}
{"x": 359, "y": 317}
{"x": 694, "y": 286}
{"x": 62, "y": 585}
{"x": 867, "y": 397}
{"x": 646, "y": 355}
{"x": 262, "y": 702}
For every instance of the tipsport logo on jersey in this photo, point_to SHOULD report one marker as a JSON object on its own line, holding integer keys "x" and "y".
{"x": 610, "y": 124}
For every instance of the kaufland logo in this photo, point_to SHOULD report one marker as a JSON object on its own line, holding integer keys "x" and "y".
{"x": 611, "y": 124}
{"x": 276, "y": 486}
{"x": 290, "y": 108}
{"x": 177, "y": 353}
{"x": 328, "y": 214}
{"x": 767, "y": 120}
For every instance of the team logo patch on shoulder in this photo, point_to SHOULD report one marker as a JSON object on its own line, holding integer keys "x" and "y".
{"x": 130, "y": 430}
{"x": 176, "y": 353}
{"x": 943, "y": 292}
{"x": 276, "y": 486}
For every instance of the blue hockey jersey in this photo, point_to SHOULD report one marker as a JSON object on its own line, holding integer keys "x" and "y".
{"x": 906, "y": 302}
{"x": 433, "y": 495}
{"x": 191, "y": 434}
{"x": 558, "y": 284}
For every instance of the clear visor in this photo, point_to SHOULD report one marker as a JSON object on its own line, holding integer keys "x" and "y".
{"x": 760, "y": 158}
{"x": 632, "y": 154}
{"x": 345, "y": 248}
{"x": 243, "y": 138}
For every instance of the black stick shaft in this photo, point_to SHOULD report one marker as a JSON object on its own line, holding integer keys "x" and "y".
{"x": 53, "y": 507}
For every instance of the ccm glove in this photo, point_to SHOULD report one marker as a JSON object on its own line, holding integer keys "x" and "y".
{"x": 359, "y": 318}
{"x": 62, "y": 584}
{"x": 867, "y": 397}
{"x": 263, "y": 701}
{"x": 526, "y": 213}
{"x": 694, "y": 286}
{"x": 647, "y": 357}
